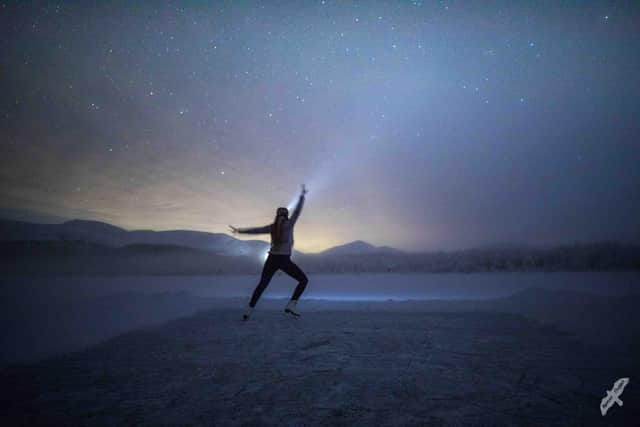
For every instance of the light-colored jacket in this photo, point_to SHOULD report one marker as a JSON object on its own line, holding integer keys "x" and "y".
{"x": 285, "y": 244}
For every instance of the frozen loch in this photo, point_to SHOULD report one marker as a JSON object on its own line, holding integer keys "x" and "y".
{"x": 438, "y": 362}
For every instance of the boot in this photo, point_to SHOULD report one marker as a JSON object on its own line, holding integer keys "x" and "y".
{"x": 247, "y": 313}
{"x": 291, "y": 308}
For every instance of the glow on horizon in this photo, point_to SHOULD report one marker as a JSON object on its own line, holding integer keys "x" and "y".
{"x": 421, "y": 137}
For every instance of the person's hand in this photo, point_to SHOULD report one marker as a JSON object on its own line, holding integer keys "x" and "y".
{"x": 304, "y": 189}
{"x": 234, "y": 230}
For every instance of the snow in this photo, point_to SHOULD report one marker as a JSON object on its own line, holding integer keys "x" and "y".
{"x": 48, "y": 316}
{"x": 510, "y": 348}
{"x": 329, "y": 367}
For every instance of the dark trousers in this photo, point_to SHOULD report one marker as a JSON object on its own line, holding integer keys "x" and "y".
{"x": 273, "y": 264}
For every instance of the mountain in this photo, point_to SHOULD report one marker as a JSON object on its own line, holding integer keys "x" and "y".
{"x": 92, "y": 247}
{"x": 100, "y": 233}
{"x": 359, "y": 247}
{"x": 104, "y": 234}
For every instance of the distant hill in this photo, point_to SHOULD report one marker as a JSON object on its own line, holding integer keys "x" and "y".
{"x": 359, "y": 247}
{"x": 100, "y": 233}
{"x": 97, "y": 248}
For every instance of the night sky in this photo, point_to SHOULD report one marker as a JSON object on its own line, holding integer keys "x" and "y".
{"x": 420, "y": 125}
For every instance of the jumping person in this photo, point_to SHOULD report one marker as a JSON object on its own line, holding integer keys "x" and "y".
{"x": 281, "y": 231}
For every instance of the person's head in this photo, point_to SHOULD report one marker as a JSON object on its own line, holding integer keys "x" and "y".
{"x": 282, "y": 212}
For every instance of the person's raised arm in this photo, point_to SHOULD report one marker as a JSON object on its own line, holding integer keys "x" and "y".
{"x": 299, "y": 205}
{"x": 251, "y": 230}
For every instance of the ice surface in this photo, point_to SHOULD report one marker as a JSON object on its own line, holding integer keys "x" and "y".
{"x": 43, "y": 317}
{"x": 330, "y": 367}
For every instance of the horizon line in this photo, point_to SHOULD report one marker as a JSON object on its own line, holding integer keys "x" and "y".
{"x": 487, "y": 246}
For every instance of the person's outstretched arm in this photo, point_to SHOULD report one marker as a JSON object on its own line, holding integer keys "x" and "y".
{"x": 299, "y": 205}
{"x": 251, "y": 230}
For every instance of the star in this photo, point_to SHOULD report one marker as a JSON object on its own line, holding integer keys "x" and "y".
{"x": 304, "y": 82}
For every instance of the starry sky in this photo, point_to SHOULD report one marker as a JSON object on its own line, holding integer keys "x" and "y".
{"x": 420, "y": 125}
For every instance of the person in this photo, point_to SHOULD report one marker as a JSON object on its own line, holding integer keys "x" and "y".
{"x": 279, "y": 257}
